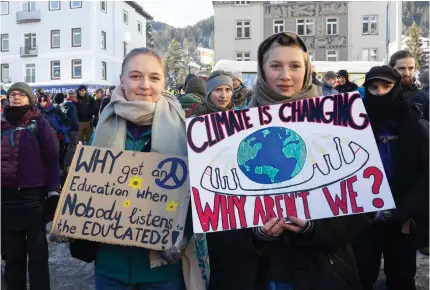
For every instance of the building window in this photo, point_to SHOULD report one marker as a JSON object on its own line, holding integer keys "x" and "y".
{"x": 4, "y": 7}
{"x": 242, "y": 2}
{"x": 75, "y": 4}
{"x": 124, "y": 47}
{"x": 30, "y": 73}
{"x": 331, "y": 55}
{"x": 369, "y": 54}
{"x": 55, "y": 38}
{"x": 139, "y": 27}
{"x": 104, "y": 70}
{"x": 103, "y": 40}
{"x": 278, "y": 26}
{"x": 76, "y": 37}
{"x": 4, "y": 72}
{"x": 370, "y": 24}
{"x": 55, "y": 70}
{"x": 28, "y": 6}
{"x": 30, "y": 40}
{"x": 243, "y": 29}
{"x": 5, "y": 42}
{"x": 243, "y": 56}
{"x": 305, "y": 27}
{"x": 76, "y": 68}
{"x": 54, "y": 5}
{"x": 125, "y": 16}
{"x": 332, "y": 26}
{"x": 103, "y": 6}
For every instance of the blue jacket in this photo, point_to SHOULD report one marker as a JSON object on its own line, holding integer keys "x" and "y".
{"x": 327, "y": 90}
{"x": 130, "y": 265}
{"x": 52, "y": 115}
{"x": 68, "y": 108}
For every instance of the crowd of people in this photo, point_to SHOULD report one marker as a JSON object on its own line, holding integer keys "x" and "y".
{"x": 40, "y": 134}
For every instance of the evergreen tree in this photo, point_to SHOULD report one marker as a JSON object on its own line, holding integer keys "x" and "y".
{"x": 149, "y": 37}
{"x": 176, "y": 63}
{"x": 414, "y": 44}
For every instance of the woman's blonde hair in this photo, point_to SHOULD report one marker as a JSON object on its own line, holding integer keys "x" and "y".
{"x": 143, "y": 50}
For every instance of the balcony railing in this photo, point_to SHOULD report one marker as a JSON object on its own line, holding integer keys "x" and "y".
{"x": 28, "y": 16}
{"x": 30, "y": 79}
{"x": 29, "y": 51}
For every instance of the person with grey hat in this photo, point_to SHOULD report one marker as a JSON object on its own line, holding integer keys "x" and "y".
{"x": 402, "y": 137}
{"x": 219, "y": 93}
{"x": 30, "y": 186}
{"x": 328, "y": 84}
{"x": 194, "y": 93}
{"x": 241, "y": 95}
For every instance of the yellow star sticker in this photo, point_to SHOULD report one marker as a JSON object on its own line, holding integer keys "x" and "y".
{"x": 135, "y": 182}
{"x": 126, "y": 203}
{"x": 172, "y": 206}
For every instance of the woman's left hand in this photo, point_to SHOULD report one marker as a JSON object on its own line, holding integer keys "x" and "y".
{"x": 297, "y": 225}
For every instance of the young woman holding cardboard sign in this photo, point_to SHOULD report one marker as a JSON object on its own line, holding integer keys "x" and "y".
{"x": 302, "y": 255}
{"x": 141, "y": 117}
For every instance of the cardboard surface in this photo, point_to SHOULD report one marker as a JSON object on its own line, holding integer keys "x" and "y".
{"x": 124, "y": 197}
{"x": 314, "y": 159}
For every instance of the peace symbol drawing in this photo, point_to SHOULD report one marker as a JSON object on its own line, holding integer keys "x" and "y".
{"x": 175, "y": 176}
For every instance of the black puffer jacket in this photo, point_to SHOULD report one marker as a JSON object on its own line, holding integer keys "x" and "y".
{"x": 86, "y": 107}
{"x": 347, "y": 87}
{"x": 419, "y": 98}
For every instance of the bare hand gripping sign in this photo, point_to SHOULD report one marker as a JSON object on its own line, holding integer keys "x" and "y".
{"x": 314, "y": 158}
{"x": 124, "y": 197}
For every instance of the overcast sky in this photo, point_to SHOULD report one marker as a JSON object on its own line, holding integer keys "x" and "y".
{"x": 178, "y": 13}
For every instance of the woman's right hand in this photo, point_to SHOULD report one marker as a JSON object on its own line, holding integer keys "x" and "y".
{"x": 274, "y": 227}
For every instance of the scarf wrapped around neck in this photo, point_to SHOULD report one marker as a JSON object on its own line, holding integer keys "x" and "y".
{"x": 165, "y": 116}
{"x": 207, "y": 107}
{"x": 265, "y": 95}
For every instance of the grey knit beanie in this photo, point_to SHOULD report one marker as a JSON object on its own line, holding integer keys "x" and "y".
{"x": 24, "y": 88}
{"x": 218, "y": 78}
{"x": 237, "y": 75}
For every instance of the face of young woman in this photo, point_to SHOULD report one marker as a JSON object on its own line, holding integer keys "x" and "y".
{"x": 285, "y": 69}
{"x": 221, "y": 96}
{"x": 143, "y": 78}
{"x": 380, "y": 87}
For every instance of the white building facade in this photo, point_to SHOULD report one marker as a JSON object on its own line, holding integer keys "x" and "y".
{"x": 58, "y": 45}
{"x": 334, "y": 31}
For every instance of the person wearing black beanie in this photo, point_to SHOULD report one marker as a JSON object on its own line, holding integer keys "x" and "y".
{"x": 345, "y": 85}
{"x": 402, "y": 138}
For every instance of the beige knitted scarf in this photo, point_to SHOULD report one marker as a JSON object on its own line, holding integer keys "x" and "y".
{"x": 166, "y": 117}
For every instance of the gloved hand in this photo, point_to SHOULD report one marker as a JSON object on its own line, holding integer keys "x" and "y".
{"x": 174, "y": 254}
{"x": 53, "y": 237}
{"x": 51, "y": 204}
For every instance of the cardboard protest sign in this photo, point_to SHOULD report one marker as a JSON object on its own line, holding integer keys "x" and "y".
{"x": 314, "y": 158}
{"x": 124, "y": 197}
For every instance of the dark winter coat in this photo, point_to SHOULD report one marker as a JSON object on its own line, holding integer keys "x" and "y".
{"x": 419, "y": 98}
{"x": 236, "y": 262}
{"x": 86, "y": 107}
{"x": 29, "y": 159}
{"x": 347, "y": 87}
{"x": 68, "y": 107}
{"x": 327, "y": 90}
{"x": 319, "y": 260}
{"x": 104, "y": 103}
{"x": 98, "y": 104}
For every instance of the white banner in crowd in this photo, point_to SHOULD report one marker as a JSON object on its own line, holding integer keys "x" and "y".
{"x": 314, "y": 158}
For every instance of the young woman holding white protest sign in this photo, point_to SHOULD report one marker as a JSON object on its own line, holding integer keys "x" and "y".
{"x": 234, "y": 261}
{"x": 302, "y": 255}
{"x": 402, "y": 138}
{"x": 141, "y": 117}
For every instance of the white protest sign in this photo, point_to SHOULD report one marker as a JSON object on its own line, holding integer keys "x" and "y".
{"x": 314, "y": 159}
{"x": 124, "y": 197}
